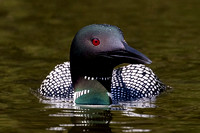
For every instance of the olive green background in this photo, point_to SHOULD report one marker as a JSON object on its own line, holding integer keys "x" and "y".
{"x": 35, "y": 35}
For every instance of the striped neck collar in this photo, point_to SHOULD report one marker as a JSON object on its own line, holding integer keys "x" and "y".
{"x": 97, "y": 78}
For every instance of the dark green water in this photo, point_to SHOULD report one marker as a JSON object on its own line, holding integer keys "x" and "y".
{"x": 35, "y": 35}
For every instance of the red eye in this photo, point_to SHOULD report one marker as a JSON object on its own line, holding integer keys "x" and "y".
{"x": 95, "y": 41}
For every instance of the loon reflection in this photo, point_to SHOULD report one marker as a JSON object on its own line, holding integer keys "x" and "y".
{"x": 99, "y": 118}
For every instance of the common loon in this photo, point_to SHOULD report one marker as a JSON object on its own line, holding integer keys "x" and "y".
{"x": 89, "y": 77}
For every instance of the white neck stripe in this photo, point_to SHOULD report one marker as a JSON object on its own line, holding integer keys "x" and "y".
{"x": 84, "y": 92}
{"x": 97, "y": 78}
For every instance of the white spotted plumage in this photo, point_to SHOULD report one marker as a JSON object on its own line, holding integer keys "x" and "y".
{"x": 130, "y": 82}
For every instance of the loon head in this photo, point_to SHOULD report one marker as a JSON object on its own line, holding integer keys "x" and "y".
{"x": 95, "y": 50}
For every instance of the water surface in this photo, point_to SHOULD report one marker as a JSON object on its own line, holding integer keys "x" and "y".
{"x": 36, "y": 35}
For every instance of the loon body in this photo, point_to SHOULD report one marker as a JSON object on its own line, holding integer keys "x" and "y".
{"x": 89, "y": 77}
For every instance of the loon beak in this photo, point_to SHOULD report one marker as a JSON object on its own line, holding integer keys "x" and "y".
{"x": 127, "y": 55}
{"x": 133, "y": 56}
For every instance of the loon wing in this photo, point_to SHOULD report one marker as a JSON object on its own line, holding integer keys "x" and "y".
{"x": 135, "y": 81}
{"x": 130, "y": 82}
{"x": 58, "y": 83}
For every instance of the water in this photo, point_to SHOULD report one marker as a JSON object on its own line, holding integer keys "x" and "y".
{"x": 36, "y": 35}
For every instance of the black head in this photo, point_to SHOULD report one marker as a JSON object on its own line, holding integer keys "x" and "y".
{"x": 96, "y": 49}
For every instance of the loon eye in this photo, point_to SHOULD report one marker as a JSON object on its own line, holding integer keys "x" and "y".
{"x": 95, "y": 41}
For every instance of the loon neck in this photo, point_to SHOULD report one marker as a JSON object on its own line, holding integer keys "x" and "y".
{"x": 92, "y": 90}
{"x": 92, "y": 77}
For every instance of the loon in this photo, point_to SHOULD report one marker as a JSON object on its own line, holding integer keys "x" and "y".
{"x": 90, "y": 77}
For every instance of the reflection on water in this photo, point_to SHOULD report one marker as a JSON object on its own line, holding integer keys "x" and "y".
{"x": 95, "y": 118}
{"x": 36, "y": 35}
